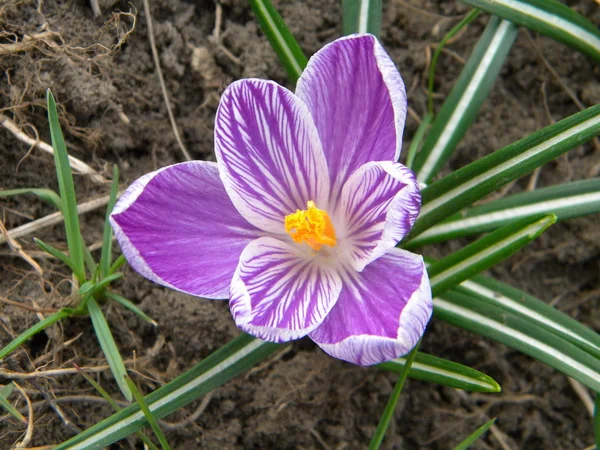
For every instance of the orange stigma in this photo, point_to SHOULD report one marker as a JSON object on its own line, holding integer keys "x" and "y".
{"x": 311, "y": 226}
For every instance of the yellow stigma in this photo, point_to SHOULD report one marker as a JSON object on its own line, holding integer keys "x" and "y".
{"x": 311, "y": 226}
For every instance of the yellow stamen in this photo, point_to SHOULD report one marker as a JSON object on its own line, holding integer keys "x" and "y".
{"x": 311, "y": 226}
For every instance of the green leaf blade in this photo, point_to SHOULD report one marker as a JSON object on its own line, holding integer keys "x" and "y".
{"x": 548, "y": 17}
{"x": 236, "y": 357}
{"x": 106, "y": 252}
{"x": 473, "y": 182}
{"x": 46, "y": 195}
{"x": 67, "y": 191}
{"x": 283, "y": 42}
{"x": 361, "y": 16}
{"x": 441, "y": 371}
{"x": 566, "y": 201}
{"x": 109, "y": 347}
{"x": 484, "y": 253}
{"x": 470, "y": 440}
{"x": 466, "y": 98}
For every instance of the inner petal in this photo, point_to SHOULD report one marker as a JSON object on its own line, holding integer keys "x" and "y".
{"x": 311, "y": 226}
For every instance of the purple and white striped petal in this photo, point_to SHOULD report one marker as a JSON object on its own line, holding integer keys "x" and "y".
{"x": 381, "y": 313}
{"x": 280, "y": 291}
{"x": 269, "y": 153}
{"x": 378, "y": 206}
{"x": 168, "y": 221}
{"x": 358, "y": 102}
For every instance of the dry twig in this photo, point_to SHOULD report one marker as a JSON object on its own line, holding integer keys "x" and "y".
{"x": 29, "y": 431}
{"x": 16, "y": 248}
{"x": 76, "y": 164}
{"x": 161, "y": 79}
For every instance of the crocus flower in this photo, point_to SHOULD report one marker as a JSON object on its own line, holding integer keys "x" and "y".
{"x": 298, "y": 220}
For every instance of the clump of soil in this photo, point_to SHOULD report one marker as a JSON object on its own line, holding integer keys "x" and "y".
{"x": 112, "y": 111}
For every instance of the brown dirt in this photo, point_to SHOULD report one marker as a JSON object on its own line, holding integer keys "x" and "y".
{"x": 113, "y": 112}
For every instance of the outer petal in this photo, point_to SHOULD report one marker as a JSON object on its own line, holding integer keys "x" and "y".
{"x": 269, "y": 153}
{"x": 358, "y": 101}
{"x": 378, "y": 206}
{"x": 280, "y": 292}
{"x": 177, "y": 227}
{"x": 381, "y": 313}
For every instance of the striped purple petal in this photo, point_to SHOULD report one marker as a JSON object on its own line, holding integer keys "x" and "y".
{"x": 381, "y": 312}
{"x": 269, "y": 153}
{"x": 358, "y": 102}
{"x": 378, "y": 206}
{"x": 280, "y": 291}
{"x": 177, "y": 227}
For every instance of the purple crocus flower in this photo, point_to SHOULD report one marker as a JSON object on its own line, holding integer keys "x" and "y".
{"x": 298, "y": 220}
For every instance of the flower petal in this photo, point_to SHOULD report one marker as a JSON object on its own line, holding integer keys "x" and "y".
{"x": 381, "y": 313}
{"x": 378, "y": 206}
{"x": 358, "y": 102}
{"x": 281, "y": 292}
{"x": 269, "y": 153}
{"x": 177, "y": 227}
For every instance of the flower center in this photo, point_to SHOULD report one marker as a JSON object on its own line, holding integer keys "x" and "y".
{"x": 312, "y": 226}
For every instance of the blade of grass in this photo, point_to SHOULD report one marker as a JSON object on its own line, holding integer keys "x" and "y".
{"x": 361, "y": 16}
{"x": 117, "y": 264}
{"x": 473, "y": 182}
{"x": 46, "y": 195}
{"x": 30, "y": 332}
{"x": 67, "y": 191}
{"x": 436, "y": 54}
{"x": 464, "y": 445}
{"x": 290, "y": 54}
{"x": 139, "y": 398}
{"x": 485, "y": 252}
{"x": 548, "y": 17}
{"x": 55, "y": 252}
{"x": 566, "y": 201}
{"x": 4, "y": 393}
{"x": 417, "y": 139}
{"x": 234, "y": 358}
{"x": 597, "y": 420}
{"x": 109, "y": 347}
{"x": 106, "y": 253}
{"x": 130, "y": 306}
{"x": 469, "y": 313}
{"x": 441, "y": 371}
{"x": 466, "y": 97}
{"x": 388, "y": 413}
{"x": 106, "y": 396}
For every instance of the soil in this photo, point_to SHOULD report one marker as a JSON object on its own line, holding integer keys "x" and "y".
{"x": 112, "y": 111}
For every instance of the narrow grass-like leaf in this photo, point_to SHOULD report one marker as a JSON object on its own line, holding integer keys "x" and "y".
{"x": 441, "y": 371}
{"x": 464, "y": 445}
{"x": 234, "y": 358}
{"x": 436, "y": 54}
{"x": 61, "y": 256}
{"x": 597, "y": 420}
{"x": 5, "y": 391}
{"x": 117, "y": 264}
{"x": 418, "y": 137}
{"x": 106, "y": 396}
{"x": 67, "y": 191}
{"x": 485, "y": 252}
{"x": 106, "y": 253}
{"x": 361, "y": 16}
{"x": 46, "y": 195}
{"x": 464, "y": 186}
{"x": 468, "y": 312}
{"x": 130, "y": 306}
{"x": 30, "y": 332}
{"x": 530, "y": 309}
{"x": 139, "y": 398}
{"x": 566, "y": 201}
{"x": 109, "y": 347}
{"x": 92, "y": 267}
{"x": 390, "y": 407}
{"x": 465, "y": 99}
{"x": 289, "y": 52}
{"x": 549, "y": 17}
